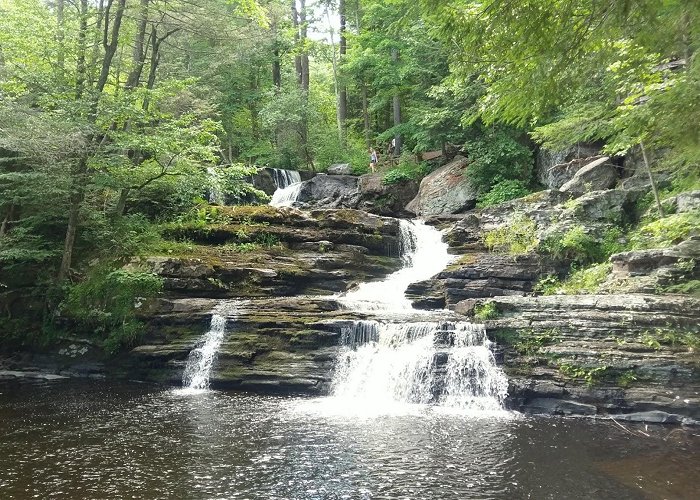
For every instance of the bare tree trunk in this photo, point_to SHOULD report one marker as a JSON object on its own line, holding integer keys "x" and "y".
{"x": 303, "y": 25}
{"x": 338, "y": 113}
{"x": 654, "y": 189}
{"x": 79, "y": 174}
{"x": 297, "y": 57}
{"x": 343, "y": 94}
{"x": 396, "y": 108}
{"x": 5, "y": 226}
{"x": 139, "y": 55}
{"x": 61, "y": 37}
{"x": 365, "y": 115}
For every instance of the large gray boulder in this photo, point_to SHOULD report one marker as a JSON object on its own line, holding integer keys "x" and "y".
{"x": 329, "y": 190}
{"x": 554, "y": 168}
{"x": 594, "y": 176}
{"x": 382, "y": 199}
{"x": 445, "y": 191}
{"x": 340, "y": 169}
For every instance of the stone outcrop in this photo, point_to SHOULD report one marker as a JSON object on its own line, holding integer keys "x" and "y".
{"x": 478, "y": 275}
{"x": 599, "y": 354}
{"x": 273, "y": 345}
{"x": 554, "y": 168}
{"x": 445, "y": 191}
{"x": 294, "y": 252}
{"x": 329, "y": 191}
{"x": 596, "y": 175}
{"x": 382, "y": 199}
{"x": 340, "y": 169}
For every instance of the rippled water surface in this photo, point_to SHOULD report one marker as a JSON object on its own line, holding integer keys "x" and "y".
{"x": 69, "y": 439}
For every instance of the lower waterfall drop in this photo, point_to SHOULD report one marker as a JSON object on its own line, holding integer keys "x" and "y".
{"x": 448, "y": 364}
{"x": 201, "y": 359}
{"x": 286, "y": 196}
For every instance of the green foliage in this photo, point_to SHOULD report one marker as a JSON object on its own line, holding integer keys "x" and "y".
{"x": 486, "y": 311}
{"x": 592, "y": 376}
{"x": 530, "y": 342}
{"x": 502, "y": 191}
{"x": 690, "y": 287}
{"x": 665, "y": 232}
{"x": 583, "y": 247}
{"x": 106, "y": 301}
{"x": 670, "y": 337}
{"x": 496, "y": 156}
{"x": 586, "y": 280}
{"x": 407, "y": 170}
{"x": 518, "y": 237}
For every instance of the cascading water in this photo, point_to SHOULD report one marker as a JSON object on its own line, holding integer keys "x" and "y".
{"x": 216, "y": 190}
{"x": 388, "y": 364}
{"x": 446, "y": 363}
{"x": 423, "y": 253}
{"x": 286, "y": 196}
{"x": 201, "y": 358}
{"x": 288, "y": 184}
{"x": 284, "y": 178}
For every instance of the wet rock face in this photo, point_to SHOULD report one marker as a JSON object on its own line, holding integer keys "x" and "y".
{"x": 610, "y": 353}
{"x": 481, "y": 275}
{"x": 283, "y": 345}
{"x": 265, "y": 251}
{"x": 445, "y": 191}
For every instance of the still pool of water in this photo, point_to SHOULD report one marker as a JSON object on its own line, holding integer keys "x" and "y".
{"x": 79, "y": 439}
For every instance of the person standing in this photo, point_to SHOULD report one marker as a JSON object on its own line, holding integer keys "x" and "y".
{"x": 372, "y": 159}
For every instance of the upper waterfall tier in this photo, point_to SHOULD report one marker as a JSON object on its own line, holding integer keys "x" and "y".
{"x": 424, "y": 255}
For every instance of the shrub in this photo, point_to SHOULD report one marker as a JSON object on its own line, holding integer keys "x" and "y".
{"x": 484, "y": 312}
{"x": 407, "y": 170}
{"x": 518, "y": 237}
{"x": 495, "y": 156}
{"x": 106, "y": 302}
{"x": 665, "y": 232}
{"x": 503, "y": 190}
{"x": 586, "y": 280}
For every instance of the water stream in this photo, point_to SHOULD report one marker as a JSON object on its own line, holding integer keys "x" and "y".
{"x": 392, "y": 363}
{"x": 288, "y": 184}
{"x": 201, "y": 359}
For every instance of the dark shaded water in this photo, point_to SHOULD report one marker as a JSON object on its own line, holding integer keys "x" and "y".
{"x": 74, "y": 439}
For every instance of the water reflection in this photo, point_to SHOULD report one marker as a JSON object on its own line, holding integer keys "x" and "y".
{"x": 98, "y": 440}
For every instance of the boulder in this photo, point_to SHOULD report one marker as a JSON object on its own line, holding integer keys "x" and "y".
{"x": 329, "y": 191}
{"x": 382, "y": 199}
{"x": 597, "y": 175}
{"x": 554, "y": 168}
{"x": 340, "y": 169}
{"x": 445, "y": 191}
{"x": 688, "y": 202}
{"x": 561, "y": 173}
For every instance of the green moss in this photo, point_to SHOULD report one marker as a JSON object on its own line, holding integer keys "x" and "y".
{"x": 518, "y": 237}
{"x": 662, "y": 233}
{"x": 505, "y": 336}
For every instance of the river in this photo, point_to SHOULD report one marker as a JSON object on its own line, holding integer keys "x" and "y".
{"x": 96, "y": 439}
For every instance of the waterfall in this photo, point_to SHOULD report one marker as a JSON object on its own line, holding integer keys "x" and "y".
{"x": 284, "y": 178}
{"x": 201, "y": 359}
{"x": 423, "y": 254}
{"x": 384, "y": 365}
{"x": 288, "y": 184}
{"x": 449, "y": 364}
{"x": 286, "y": 196}
{"x": 216, "y": 190}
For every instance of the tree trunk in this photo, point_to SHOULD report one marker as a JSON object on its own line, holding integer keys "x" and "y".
{"x": 396, "y": 107}
{"x": 139, "y": 54}
{"x": 297, "y": 57}
{"x": 343, "y": 94}
{"x": 303, "y": 25}
{"x": 61, "y": 37}
{"x": 336, "y": 89}
{"x": 5, "y": 226}
{"x": 79, "y": 175}
{"x": 654, "y": 189}
{"x": 76, "y": 200}
{"x": 365, "y": 115}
